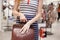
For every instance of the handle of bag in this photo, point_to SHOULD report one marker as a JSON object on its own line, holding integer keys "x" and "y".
{"x": 23, "y": 22}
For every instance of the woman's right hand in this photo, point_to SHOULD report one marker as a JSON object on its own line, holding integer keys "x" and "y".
{"x": 22, "y": 18}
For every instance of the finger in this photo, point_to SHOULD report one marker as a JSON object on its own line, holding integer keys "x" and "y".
{"x": 23, "y": 20}
{"x": 26, "y": 20}
{"x": 24, "y": 30}
{"x": 21, "y": 29}
{"x": 27, "y": 29}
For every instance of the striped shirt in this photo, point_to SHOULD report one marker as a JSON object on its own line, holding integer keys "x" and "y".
{"x": 28, "y": 9}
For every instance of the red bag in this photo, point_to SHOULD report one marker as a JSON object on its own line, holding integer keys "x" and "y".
{"x": 18, "y": 36}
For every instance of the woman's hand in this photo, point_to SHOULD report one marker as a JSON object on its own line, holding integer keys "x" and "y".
{"x": 25, "y": 28}
{"x": 22, "y": 18}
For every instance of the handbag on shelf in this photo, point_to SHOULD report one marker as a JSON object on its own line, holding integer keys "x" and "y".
{"x": 18, "y": 36}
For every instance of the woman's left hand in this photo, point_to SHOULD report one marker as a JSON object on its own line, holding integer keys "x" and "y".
{"x": 25, "y": 28}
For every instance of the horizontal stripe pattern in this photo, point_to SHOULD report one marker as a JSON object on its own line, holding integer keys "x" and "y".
{"x": 28, "y": 9}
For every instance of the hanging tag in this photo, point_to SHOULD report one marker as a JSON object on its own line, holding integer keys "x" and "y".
{"x": 28, "y": 2}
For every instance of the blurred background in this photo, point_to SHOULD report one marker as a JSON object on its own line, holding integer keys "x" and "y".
{"x": 49, "y": 20}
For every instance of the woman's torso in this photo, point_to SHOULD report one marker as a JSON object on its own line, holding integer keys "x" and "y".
{"x": 28, "y": 9}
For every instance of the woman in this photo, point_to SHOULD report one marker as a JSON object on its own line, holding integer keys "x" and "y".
{"x": 51, "y": 18}
{"x": 58, "y": 10}
{"x": 29, "y": 10}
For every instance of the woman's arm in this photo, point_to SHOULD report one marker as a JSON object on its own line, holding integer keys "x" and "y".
{"x": 16, "y": 13}
{"x": 38, "y": 14}
{"x": 15, "y": 8}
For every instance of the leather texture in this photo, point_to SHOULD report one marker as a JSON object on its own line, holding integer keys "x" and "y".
{"x": 16, "y": 35}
